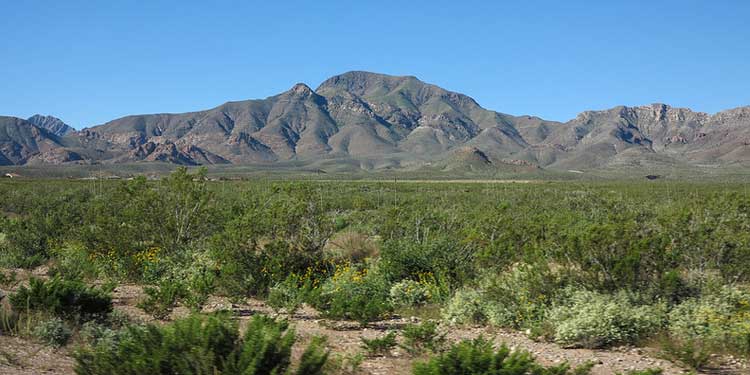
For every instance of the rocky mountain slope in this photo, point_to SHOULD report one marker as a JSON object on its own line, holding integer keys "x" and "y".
{"x": 377, "y": 121}
{"x": 53, "y": 124}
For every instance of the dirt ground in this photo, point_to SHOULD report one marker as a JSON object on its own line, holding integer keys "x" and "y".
{"x": 18, "y": 356}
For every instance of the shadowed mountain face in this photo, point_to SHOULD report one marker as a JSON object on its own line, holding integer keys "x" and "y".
{"x": 377, "y": 120}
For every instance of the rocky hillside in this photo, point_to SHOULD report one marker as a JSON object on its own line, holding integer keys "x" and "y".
{"x": 375, "y": 121}
{"x": 53, "y": 124}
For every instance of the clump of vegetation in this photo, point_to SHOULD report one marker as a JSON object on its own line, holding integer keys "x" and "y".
{"x": 593, "y": 320}
{"x": 422, "y": 337}
{"x": 466, "y": 307}
{"x": 353, "y": 293}
{"x": 674, "y": 257}
{"x": 409, "y": 293}
{"x": 287, "y": 296}
{"x": 379, "y": 345}
{"x": 67, "y": 299}
{"x": 161, "y": 299}
{"x": 691, "y": 352}
{"x": 479, "y": 357}
{"x": 72, "y": 262}
{"x": 716, "y": 321}
{"x": 201, "y": 345}
{"x": 53, "y": 332}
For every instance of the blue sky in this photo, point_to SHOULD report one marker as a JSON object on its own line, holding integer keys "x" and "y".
{"x": 88, "y": 62}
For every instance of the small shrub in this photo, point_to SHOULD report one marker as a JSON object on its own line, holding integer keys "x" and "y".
{"x": 199, "y": 288}
{"x": 361, "y": 295}
{"x": 287, "y": 296}
{"x": 690, "y": 352}
{"x": 161, "y": 300}
{"x": 314, "y": 358}
{"x": 479, "y": 357}
{"x": 519, "y": 297}
{"x": 66, "y": 299}
{"x": 72, "y": 262}
{"x": 466, "y": 307}
{"x": 419, "y": 338}
{"x": 190, "y": 345}
{"x": 592, "y": 320}
{"x": 93, "y": 333}
{"x": 201, "y": 345}
{"x": 379, "y": 346}
{"x": 53, "y": 332}
{"x": 408, "y": 293}
{"x": 716, "y": 320}
{"x": 351, "y": 246}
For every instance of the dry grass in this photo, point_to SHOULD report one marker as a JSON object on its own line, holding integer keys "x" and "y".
{"x": 352, "y": 246}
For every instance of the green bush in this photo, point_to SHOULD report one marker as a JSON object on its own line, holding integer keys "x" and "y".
{"x": 466, "y": 307}
{"x": 592, "y": 320}
{"x": 287, "y": 295}
{"x": 314, "y": 358}
{"x": 71, "y": 261}
{"x": 93, "y": 333}
{"x": 437, "y": 255}
{"x": 691, "y": 352}
{"x": 53, "y": 332}
{"x": 360, "y": 295}
{"x": 517, "y": 298}
{"x": 422, "y": 337}
{"x": 409, "y": 293}
{"x": 200, "y": 285}
{"x": 379, "y": 345}
{"x": 63, "y": 298}
{"x": 718, "y": 320}
{"x": 478, "y": 357}
{"x": 201, "y": 345}
{"x": 161, "y": 299}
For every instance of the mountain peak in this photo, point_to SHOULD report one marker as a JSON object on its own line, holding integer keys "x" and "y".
{"x": 51, "y": 123}
{"x": 359, "y": 82}
{"x": 301, "y": 89}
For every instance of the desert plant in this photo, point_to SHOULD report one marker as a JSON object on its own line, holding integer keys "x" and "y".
{"x": 361, "y": 295}
{"x": 351, "y": 246}
{"x": 71, "y": 261}
{"x": 287, "y": 295}
{"x": 479, "y": 357}
{"x": 53, "y": 332}
{"x": 408, "y": 293}
{"x": 593, "y": 320}
{"x": 314, "y": 358}
{"x": 466, "y": 307}
{"x": 161, "y": 299}
{"x": 379, "y": 345}
{"x": 422, "y": 337}
{"x": 689, "y": 351}
{"x": 201, "y": 345}
{"x": 199, "y": 288}
{"x": 62, "y": 298}
{"x": 716, "y": 321}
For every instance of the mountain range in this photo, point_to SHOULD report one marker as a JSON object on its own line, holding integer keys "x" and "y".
{"x": 374, "y": 121}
